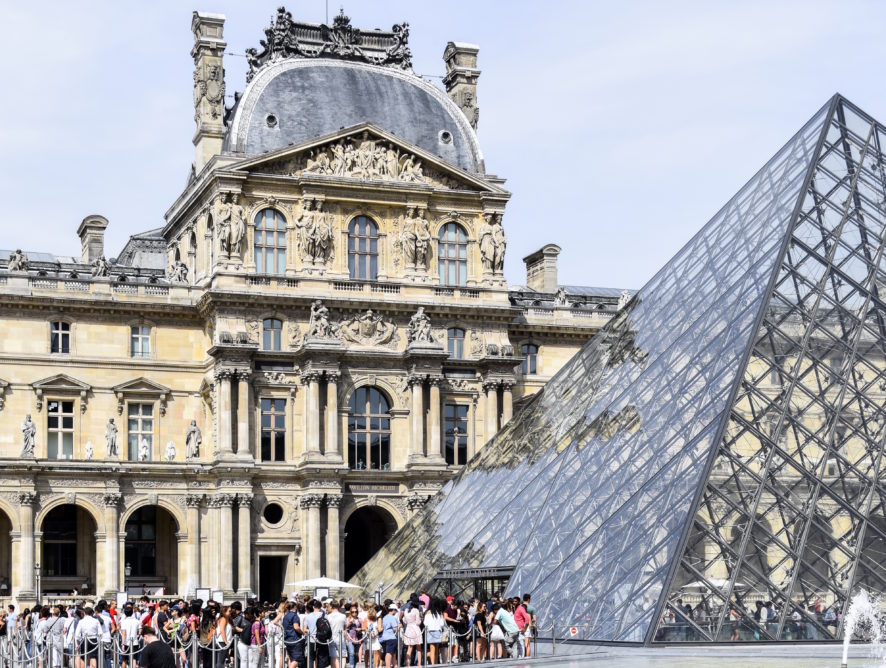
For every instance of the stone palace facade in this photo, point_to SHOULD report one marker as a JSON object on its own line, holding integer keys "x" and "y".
{"x": 320, "y": 335}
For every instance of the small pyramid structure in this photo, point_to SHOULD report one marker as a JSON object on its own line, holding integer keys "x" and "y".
{"x": 717, "y": 447}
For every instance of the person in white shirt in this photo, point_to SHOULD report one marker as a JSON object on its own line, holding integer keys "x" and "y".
{"x": 87, "y": 637}
{"x": 55, "y": 636}
{"x": 129, "y": 636}
{"x": 337, "y": 625}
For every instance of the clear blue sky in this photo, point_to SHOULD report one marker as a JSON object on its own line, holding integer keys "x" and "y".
{"x": 620, "y": 126}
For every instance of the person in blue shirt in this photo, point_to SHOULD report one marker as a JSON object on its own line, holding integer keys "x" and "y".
{"x": 292, "y": 637}
{"x": 390, "y": 630}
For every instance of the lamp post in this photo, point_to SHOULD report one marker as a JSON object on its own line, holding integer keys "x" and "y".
{"x": 37, "y": 579}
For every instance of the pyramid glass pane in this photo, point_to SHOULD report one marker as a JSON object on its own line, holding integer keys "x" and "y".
{"x": 707, "y": 467}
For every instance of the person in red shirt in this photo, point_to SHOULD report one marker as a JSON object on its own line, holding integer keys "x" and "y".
{"x": 522, "y": 618}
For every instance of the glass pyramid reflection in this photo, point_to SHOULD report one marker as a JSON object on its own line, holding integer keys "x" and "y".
{"x": 707, "y": 467}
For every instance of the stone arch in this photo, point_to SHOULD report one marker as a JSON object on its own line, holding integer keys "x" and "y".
{"x": 68, "y": 530}
{"x": 161, "y": 502}
{"x": 381, "y": 383}
{"x": 438, "y": 225}
{"x": 367, "y": 527}
{"x": 260, "y": 206}
{"x": 151, "y": 546}
{"x": 11, "y": 513}
{"x": 8, "y": 525}
{"x": 75, "y": 500}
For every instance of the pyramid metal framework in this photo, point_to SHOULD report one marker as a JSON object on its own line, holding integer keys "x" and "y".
{"x": 717, "y": 444}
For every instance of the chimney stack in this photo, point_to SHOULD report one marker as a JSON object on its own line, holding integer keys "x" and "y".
{"x": 541, "y": 269}
{"x": 92, "y": 238}
{"x": 461, "y": 78}
{"x": 209, "y": 86}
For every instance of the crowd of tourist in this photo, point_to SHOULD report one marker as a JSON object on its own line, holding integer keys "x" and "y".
{"x": 302, "y": 633}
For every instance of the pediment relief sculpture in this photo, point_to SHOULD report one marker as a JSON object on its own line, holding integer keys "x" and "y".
{"x": 368, "y": 329}
{"x": 366, "y": 158}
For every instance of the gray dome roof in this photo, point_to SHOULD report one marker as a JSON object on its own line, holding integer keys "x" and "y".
{"x": 311, "y": 98}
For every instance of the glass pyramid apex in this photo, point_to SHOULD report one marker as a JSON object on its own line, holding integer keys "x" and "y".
{"x": 716, "y": 445}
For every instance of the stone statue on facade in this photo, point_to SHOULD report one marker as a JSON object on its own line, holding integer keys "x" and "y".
{"x": 492, "y": 243}
{"x": 368, "y": 329}
{"x": 193, "y": 440}
{"x": 88, "y": 451}
{"x": 415, "y": 239}
{"x": 144, "y": 450}
{"x": 419, "y": 329}
{"x": 302, "y": 225}
{"x": 29, "y": 433}
{"x": 18, "y": 261}
{"x": 111, "y": 438}
{"x": 231, "y": 225}
{"x": 101, "y": 268}
{"x": 501, "y": 243}
{"x": 318, "y": 237}
{"x": 623, "y": 299}
{"x": 319, "y": 327}
{"x": 476, "y": 345}
{"x": 169, "y": 455}
{"x": 560, "y": 297}
{"x": 178, "y": 273}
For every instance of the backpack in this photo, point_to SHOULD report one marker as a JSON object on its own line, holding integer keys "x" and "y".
{"x": 324, "y": 630}
{"x": 246, "y": 633}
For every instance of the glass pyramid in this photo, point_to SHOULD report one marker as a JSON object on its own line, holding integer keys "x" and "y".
{"x": 717, "y": 444}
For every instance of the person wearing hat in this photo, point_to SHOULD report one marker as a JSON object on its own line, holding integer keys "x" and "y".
{"x": 155, "y": 654}
{"x": 390, "y": 631}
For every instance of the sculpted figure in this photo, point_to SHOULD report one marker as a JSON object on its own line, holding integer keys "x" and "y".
{"x": 422, "y": 240}
{"x": 101, "y": 267}
{"x": 338, "y": 159}
{"x": 169, "y": 455}
{"x": 178, "y": 273}
{"x": 88, "y": 451}
{"x": 487, "y": 244}
{"x": 318, "y": 327}
{"x": 500, "y": 242}
{"x": 193, "y": 440}
{"x": 303, "y": 226}
{"x": 319, "y": 236}
{"x": 623, "y": 299}
{"x": 419, "y": 330}
{"x": 111, "y": 438}
{"x": 560, "y": 297}
{"x": 144, "y": 450}
{"x": 410, "y": 169}
{"x": 476, "y": 345}
{"x": 17, "y": 261}
{"x": 392, "y": 163}
{"x": 238, "y": 226}
{"x": 408, "y": 237}
{"x": 223, "y": 224}
{"x": 29, "y": 432}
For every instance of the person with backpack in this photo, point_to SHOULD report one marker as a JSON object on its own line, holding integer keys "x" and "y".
{"x": 320, "y": 635}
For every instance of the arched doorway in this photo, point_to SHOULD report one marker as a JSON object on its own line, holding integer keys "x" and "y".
{"x": 5, "y": 555}
{"x": 151, "y": 551}
{"x": 366, "y": 531}
{"x": 68, "y": 551}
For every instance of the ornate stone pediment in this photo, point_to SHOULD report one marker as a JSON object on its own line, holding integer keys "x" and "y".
{"x": 366, "y": 153}
{"x": 61, "y": 384}
{"x": 141, "y": 387}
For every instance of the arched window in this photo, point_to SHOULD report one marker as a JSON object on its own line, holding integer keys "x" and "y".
{"x": 369, "y": 430}
{"x": 271, "y": 332}
{"x": 270, "y": 242}
{"x": 192, "y": 258}
{"x": 452, "y": 255}
{"x": 455, "y": 342}
{"x": 529, "y": 352}
{"x": 363, "y": 249}
{"x": 210, "y": 240}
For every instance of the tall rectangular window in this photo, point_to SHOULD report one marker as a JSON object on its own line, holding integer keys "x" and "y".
{"x": 455, "y": 342}
{"x": 60, "y": 429}
{"x": 140, "y": 341}
{"x": 273, "y": 430}
{"x": 272, "y": 330}
{"x": 270, "y": 242}
{"x": 140, "y": 432}
{"x": 60, "y": 337}
{"x": 529, "y": 352}
{"x": 455, "y": 436}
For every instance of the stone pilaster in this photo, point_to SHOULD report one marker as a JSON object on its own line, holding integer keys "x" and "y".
{"x": 224, "y": 503}
{"x": 26, "y": 541}
{"x": 193, "y": 502}
{"x": 223, "y": 383}
{"x": 243, "y": 422}
{"x": 333, "y": 536}
{"x": 111, "y": 502}
{"x": 417, "y": 415}
{"x": 332, "y": 449}
{"x": 310, "y": 504}
{"x": 507, "y": 402}
{"x": 312, "y": 415}
{"x": 244, "y": 543}
{"x": 491, "y": 390}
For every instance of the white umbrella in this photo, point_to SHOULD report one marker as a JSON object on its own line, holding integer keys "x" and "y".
{"x": 321, "y": 583}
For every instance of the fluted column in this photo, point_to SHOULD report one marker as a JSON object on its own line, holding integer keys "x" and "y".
{"x": 417, "y": 445}
{"x": 310, "y": 504}
{"x": 26, "y": 564}
{"x": 333, "y": 536}
{"x": 312, "y": 412}
{"x": 224, "y": 503}
{"x": 225, "y": 446}
{"x": 491, "y": 389}
{"x": 244, "y": 542}
{"x": 243, "y": 449}
{"x": 111, "y": 501}
{"x": 434, "y": 449}
{"x": 507, "y": 403}
{"x": 193, "y": 519}
{"x": 332, "y": 413}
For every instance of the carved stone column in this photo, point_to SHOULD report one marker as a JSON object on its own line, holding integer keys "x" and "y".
{"x": 417, "y": 442}
{"x": 312, "y": 413}
{"x": 224, "y": 503}
{"x": 26, "y": 520}
{"x": 244, "y": 543}
{"x": 312, "y": 539}
{"x": 333, "y": 536}
{"x": 507, "y": 403}
{"x": 491, "y": 389}
{"x": 193, "y": 518}
{"x": 243, "y": 448}
{"x": 225, "y": 445}
{"x": 434, "y": 449}
{"x": 332, "y": 414}
{"x": 111, "y": 501}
